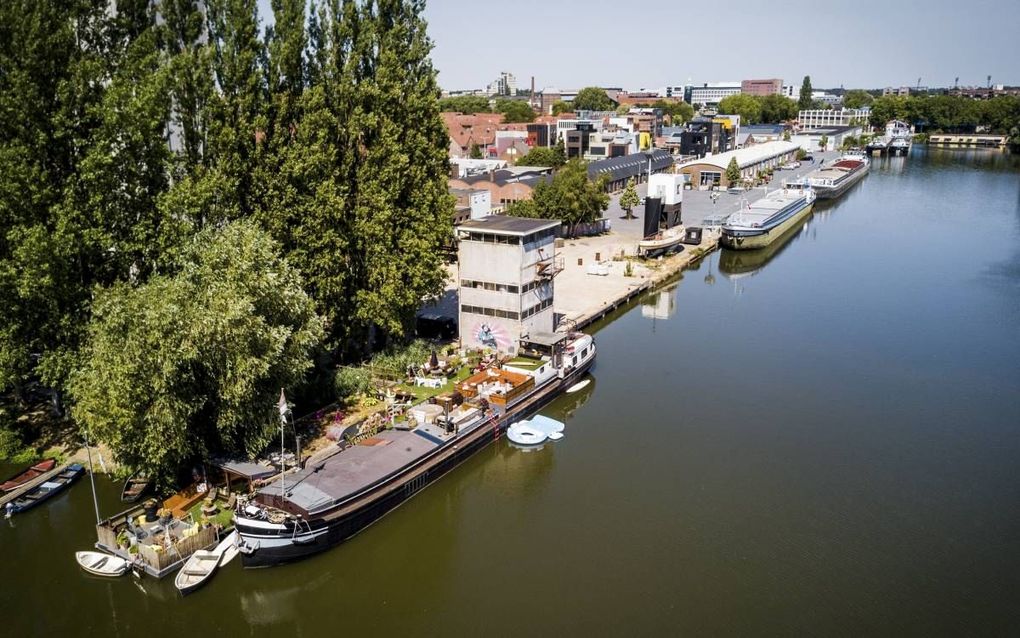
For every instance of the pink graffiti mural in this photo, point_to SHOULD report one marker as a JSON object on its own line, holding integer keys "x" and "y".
{"x": 491, "y": 335}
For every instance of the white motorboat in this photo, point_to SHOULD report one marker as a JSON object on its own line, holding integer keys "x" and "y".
{"x": 197, "y": 569}
{"x": 100, "y": 564}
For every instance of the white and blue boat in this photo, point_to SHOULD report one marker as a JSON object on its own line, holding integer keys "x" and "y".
{"x": 759, "y": 224}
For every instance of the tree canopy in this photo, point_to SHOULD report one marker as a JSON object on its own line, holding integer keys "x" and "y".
{"x": 570, "y": 197}
{"x": 806, "y": 100}
{"x": 515, "y": 111}
{"x": 559, "y": 106}
{"x": 949, "y": 113}
{"x": 592, "y": 98}
{"x": 191, "y": 364}
{"x": 754, "y": 109}
{"x": 125, "y": 134}
{"x": 469, "y": 104}
{"x": 856, "y": 98}
{"x": 629, "y": 199}
{"x": 544, "y": 156}
{"x": 732, "y": 171}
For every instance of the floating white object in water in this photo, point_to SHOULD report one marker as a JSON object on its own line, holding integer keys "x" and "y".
{"x": 555, "y": 436}
{"x": 523, "y": 434}
{"x": 580, "y": 385}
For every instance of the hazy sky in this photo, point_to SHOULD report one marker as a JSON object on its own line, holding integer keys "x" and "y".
{"x": 652, "y": 43}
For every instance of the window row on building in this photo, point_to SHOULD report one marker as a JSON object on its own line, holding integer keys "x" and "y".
{"x": 488, "y": 285}
{"x": 490, "y": 312}
{"x": 537, "y": 308}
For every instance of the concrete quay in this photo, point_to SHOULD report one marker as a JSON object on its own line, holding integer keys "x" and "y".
{"x": 582, "y": 298}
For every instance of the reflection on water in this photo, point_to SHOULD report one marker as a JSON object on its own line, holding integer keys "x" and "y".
{"x": 735, "y": 264}
{"x": 660, "y": 304}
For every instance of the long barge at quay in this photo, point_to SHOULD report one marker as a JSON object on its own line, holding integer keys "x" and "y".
{"x": 831, "y": 181}
{"x": 330, "y": 501}
{"x": 761, "y": 223}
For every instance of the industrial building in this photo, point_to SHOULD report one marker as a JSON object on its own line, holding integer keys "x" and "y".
{"x": 772, "y": 86}
{"x": 506, "y": 268}
{"x": 711, "y": 93}
{"x": 637, "y": 167}
{"x": 710, "y": 171}
{"x": 824, "y": 118}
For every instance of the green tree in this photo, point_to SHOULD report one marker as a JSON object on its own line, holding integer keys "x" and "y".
{"x": 629, "y": 199}
{"x": 856, "y": 98}
{"x": 823, "y": 142}
{"x": 777, "y": 108}
{"x": 733, "y": 171}
{"x": 570, "y": 197}
{"x": 475, "y": 152}
{"x": 468, "y": 104}
{"x": 746, "y": 106}
{"x": 805, "y": 101}
{"x": 544, "y": 156}
{"x": 189, "y": 365}
{"x": 559, "y": 106}
{"x": 592, "y": 98}
{"x": 515, "y": 111}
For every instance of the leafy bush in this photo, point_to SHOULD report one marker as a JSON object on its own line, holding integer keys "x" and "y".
{"x": 12, "y": 447}
{"x": 393, "y": 362}
{"x": 350, "y": 382}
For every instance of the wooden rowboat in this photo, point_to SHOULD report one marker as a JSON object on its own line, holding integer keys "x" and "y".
{"x": 45, "y": 491}
{"x": 136, "y": 485}
{"x": 227, "y": 549}
{"x": 197, "y": 569}
{"x": 100, "y": 564}
{"x": 28, "y": 474}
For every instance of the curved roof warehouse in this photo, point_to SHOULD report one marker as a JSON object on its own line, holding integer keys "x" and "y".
{"x": 711, "y": 170}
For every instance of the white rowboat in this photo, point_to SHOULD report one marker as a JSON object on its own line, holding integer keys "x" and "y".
{"x": 100, "y": 564}
{"x": 197, "y": 569}
{"x": 227, "y": 549}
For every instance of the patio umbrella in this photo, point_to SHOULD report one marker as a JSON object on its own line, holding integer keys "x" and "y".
{"x": 434, "y": 360}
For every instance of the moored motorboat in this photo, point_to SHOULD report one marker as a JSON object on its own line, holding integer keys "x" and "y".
{"x": 199, "y": 567}
{"x": 28, "y": 474}
{"x": 336, "y": 497}
{"x": 45, "y": 491}
{"x": 759, "y": 224}
{"x": 101, "y": 564}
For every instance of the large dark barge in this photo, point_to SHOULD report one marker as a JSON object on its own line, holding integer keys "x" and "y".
{"x": 330, "y": 501}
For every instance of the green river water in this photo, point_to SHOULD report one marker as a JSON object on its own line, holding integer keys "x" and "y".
{"x": 822, "y": 439}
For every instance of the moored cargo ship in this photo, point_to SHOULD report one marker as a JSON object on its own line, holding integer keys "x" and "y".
{"x": 831, "y": 181}
{"x": 331, "y": 500}
{"x": 761, "y": 223}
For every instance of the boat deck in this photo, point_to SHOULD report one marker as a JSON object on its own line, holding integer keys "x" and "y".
{"x": 357, "y": 467}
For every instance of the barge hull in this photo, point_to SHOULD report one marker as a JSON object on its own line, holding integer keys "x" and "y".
{"x": 293, "y": 542}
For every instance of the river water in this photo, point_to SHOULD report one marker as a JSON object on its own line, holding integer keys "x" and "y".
{"x": 821, "y": 439}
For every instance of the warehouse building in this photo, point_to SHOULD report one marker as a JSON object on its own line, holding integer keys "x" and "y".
{"x": 711, "y": 171}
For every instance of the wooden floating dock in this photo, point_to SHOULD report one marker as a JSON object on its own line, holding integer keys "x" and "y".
{"x": 37, "y": 481}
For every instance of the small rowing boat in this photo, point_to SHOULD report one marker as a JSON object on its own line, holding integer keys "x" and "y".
{"x": 100, "y": 564}
{"x": 45, "y": 491}
{"x": 28, "y": 474}
{"x": 197, "y": 569}
{"x": 227, "y": 549}
{"x": 136, "y": 485}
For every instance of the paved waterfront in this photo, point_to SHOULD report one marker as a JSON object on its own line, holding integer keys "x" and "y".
{"x": 580, "y": 294}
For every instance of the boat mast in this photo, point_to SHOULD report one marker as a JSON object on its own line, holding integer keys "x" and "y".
{"x": 92, "y": 477}
{"x": 283, "y": 461}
